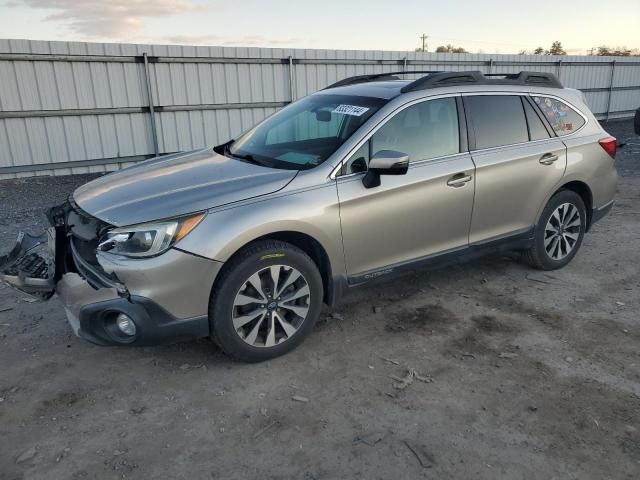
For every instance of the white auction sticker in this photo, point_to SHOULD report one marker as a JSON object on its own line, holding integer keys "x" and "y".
{"x": 350, "y": 110}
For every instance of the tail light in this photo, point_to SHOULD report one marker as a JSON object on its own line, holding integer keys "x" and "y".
{"x": 610, "y": 145}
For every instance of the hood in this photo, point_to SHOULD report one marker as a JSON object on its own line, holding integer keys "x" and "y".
{"x": 175, "y": 185}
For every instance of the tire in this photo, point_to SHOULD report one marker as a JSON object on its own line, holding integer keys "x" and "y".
{"x": 547, "y": 252}
{"x": 248, "y": 320}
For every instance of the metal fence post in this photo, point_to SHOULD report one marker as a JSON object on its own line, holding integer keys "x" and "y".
{"x": 559, "y": 71}
{"x": 291, "y": 78}
{"x": 613, "y": 72}
{"x": 154, "y": 132}
{"x": 404, "y": 64}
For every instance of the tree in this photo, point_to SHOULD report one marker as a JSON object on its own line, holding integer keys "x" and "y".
{"x": 538, "y": 51}
{"x": 450, "y": 49}
{"x": 603, "y": 51}
{"x": 556, "y": 49}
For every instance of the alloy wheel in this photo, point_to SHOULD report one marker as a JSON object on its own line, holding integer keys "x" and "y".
{"x": 271, "y": 306}
{"x": 562, "y": 231}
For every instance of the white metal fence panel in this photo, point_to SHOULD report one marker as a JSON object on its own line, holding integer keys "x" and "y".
{"x": 73, "y": 107}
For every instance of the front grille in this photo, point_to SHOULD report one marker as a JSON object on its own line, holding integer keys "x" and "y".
{"x": 32, "y": 265}
{"x": 84, "y": 232}
{"x": 86, "y": 249}
{"x": 93, "y": 273}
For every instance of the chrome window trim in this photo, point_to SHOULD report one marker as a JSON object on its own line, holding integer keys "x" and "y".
{"x": 334, "y": 173}
{"x": 511, "y": 145}
{"x": 528, "y": 142}
{"x": 418, "y": 163}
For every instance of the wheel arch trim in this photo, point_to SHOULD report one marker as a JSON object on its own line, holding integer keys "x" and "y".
{"x": 332, "y": 280}
{"x": 577, "y": 185}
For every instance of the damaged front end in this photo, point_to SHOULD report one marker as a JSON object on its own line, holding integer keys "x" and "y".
{"x": 150, "y": 309}
{"x": 27, "y": 269}
{"x": 36, "y": 264}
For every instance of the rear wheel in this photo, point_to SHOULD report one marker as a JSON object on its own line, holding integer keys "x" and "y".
{"x": 559, "y": 232}
{"x": 266, "y": 301}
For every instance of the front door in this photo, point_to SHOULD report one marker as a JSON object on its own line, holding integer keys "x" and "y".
{"x": 412, "y": 216}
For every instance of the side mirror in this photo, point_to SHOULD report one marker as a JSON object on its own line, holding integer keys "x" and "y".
{"x": 385, "y": 162}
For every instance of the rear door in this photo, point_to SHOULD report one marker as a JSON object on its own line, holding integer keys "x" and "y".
{"x": 412, "y": 216}
{"x": 518, "y": 161}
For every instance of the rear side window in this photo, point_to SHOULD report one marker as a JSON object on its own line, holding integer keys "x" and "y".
{"x": 562, "y": 117}
{"x": 537, "y": 130}
{"x": 496, "y": 120}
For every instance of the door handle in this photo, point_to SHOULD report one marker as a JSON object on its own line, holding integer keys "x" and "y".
{"x": 458, "y": 180}
{"x": 548, "y": 158}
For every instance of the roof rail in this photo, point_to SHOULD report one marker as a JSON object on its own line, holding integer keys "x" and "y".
{"x": 374, "y": 77}
{"x": 444, "y": 79}
{"x": 438, "y": 78}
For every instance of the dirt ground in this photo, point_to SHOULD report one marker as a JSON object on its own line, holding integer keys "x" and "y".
{"x": 520, "y": 374}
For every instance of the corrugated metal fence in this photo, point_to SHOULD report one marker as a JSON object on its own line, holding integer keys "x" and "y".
{"x": 70, "y": 107}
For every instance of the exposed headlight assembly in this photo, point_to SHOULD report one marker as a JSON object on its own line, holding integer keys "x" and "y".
{"x": 148, "y": 239}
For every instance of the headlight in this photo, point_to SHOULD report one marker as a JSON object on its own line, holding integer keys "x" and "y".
{"x": 148, "y": 239}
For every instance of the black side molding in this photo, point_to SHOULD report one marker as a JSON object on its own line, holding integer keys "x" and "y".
{"x": 516, "y": 241}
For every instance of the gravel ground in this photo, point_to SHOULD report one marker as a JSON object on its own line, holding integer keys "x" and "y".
{"x": 627, "y": 159}
{"x": 521, "y": 374}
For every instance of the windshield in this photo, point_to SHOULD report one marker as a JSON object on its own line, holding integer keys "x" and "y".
{"x": 305, "y": 133}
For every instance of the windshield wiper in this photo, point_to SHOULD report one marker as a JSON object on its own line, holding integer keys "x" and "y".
{"x": 247, "y": 157}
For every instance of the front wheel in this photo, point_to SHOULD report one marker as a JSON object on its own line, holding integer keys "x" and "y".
{"x": 266, "y": 301}
{"x": 559, "y": 232}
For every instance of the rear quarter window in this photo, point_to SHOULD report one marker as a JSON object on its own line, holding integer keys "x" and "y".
{"x": 563, "y": 119}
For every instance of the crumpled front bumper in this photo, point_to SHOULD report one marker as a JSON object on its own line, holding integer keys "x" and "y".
{"x": 166, "y": 296}
{"x": 28, "y": 270}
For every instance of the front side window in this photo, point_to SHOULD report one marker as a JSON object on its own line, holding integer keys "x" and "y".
{"x": 306, "y": 133}
{"x": 562, "y": 117}
{"x": 423, "y": 131}
{"x": 497, "y": 120}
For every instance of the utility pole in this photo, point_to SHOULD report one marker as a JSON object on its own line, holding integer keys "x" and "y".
{"x": 424, "y": 41}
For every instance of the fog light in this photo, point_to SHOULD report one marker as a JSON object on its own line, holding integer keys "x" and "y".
{"x": 126, "y": 325}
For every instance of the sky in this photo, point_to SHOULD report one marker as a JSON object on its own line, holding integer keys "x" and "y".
{"x": 489, "y": 26}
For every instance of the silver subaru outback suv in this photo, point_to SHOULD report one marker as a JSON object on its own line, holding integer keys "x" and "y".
{"x": 370, "y": 177}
